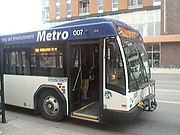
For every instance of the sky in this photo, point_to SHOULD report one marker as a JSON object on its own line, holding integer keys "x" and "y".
{"x": 20, "y": 16}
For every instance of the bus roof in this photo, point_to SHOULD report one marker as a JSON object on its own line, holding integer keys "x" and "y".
{"x": 75, "y": 30}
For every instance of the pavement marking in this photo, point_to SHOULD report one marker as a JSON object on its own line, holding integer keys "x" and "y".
{"x": 168, "y": 90}
{"x": 169, "y": 102}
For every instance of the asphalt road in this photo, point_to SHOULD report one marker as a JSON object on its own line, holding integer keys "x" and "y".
{"x": 163, "y": 121}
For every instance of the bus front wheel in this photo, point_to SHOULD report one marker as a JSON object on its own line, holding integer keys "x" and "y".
{"x": 51, "y": 106}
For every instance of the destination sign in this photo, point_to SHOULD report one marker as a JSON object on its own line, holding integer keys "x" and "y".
{"x": 127, "y": 33}
{"x": 45, "y": 50}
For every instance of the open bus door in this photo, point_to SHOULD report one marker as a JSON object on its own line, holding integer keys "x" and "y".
{"x": 2, "y": 106}
{"x": 84, "y": 63}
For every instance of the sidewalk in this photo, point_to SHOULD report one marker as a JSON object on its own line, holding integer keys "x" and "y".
{"x": 20, "y": 127}
{"x": 21, "y": 124}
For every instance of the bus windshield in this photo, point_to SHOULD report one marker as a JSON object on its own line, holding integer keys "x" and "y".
{"x": 137, "y": 63}
{"x": 136, "y": 56}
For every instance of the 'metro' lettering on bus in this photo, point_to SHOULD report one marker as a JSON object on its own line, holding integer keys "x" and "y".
{"x": 54, "y": 35}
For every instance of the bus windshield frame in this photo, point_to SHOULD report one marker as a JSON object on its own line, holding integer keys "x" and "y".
{"x": 137, "y": 63}
{"x": 136, "y": 57}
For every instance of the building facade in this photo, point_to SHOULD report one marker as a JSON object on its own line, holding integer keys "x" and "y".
{"x": 153, "y": 18}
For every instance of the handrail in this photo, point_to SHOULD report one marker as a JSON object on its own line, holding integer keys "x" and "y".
{"x": 76, "y": 79}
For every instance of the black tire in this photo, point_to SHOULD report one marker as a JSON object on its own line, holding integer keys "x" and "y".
{"x": 51, "y": 105}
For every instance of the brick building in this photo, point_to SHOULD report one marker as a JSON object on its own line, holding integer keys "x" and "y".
{"x": 157, "y": 20}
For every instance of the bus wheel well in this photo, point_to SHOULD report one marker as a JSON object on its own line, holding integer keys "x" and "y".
{"x": 44, "y": 88}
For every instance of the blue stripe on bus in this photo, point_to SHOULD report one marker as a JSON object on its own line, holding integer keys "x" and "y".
{"x": 95, "y": 29}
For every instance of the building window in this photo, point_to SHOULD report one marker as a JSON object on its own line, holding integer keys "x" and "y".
{"x": 45, "y": 14}
{"x": 57, "y": 9}
{"x": 146, "y": 22}
{"x": 150, "y": 28}
{"x": 57, "y": 2}
{"x": 45, "y": 3}
{"x": 45, "y": 10}
{"x": 115, "y": 5}
{"x": 153, "y": 51}
{"x": 157, "y": 28}
{"x": 139, "y": 27}
{"x": 68, "y": 8}
{"x": 84, "y": 10}
{"x": 57, "y": 12}
{"x": 100, "y": 6}
{"x": 135, "y": 4}
{"x": 157, "y": 2}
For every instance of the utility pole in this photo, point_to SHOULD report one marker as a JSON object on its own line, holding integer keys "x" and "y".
{"x": 2, "y": 105}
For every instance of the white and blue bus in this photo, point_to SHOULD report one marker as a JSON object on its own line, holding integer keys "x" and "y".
{"x": 44, "y": 71}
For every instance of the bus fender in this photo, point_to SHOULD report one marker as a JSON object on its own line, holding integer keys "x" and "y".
{"x": 47, "y": 87}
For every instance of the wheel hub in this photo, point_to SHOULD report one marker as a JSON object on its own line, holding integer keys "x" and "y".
{"x": 51, "y": 105}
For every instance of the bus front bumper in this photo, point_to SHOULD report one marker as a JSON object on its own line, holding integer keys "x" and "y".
{"x": 117, "y": 115}
{"x": 148, "y": 104}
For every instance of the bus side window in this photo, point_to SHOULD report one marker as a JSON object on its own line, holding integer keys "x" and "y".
{"x": 25, "y": 63}
{"x": 47, "y": 62}
{"x": 16, "y": 63}
{"x": 12, "y": 62}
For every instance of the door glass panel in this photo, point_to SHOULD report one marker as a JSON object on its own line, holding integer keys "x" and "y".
{"x": 75, "y": 73}
{"x": 75, "y": 67}
{"x": 115, "y": 77}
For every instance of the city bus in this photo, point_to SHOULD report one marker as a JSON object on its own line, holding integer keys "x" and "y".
{"x": 44, "y": 71}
